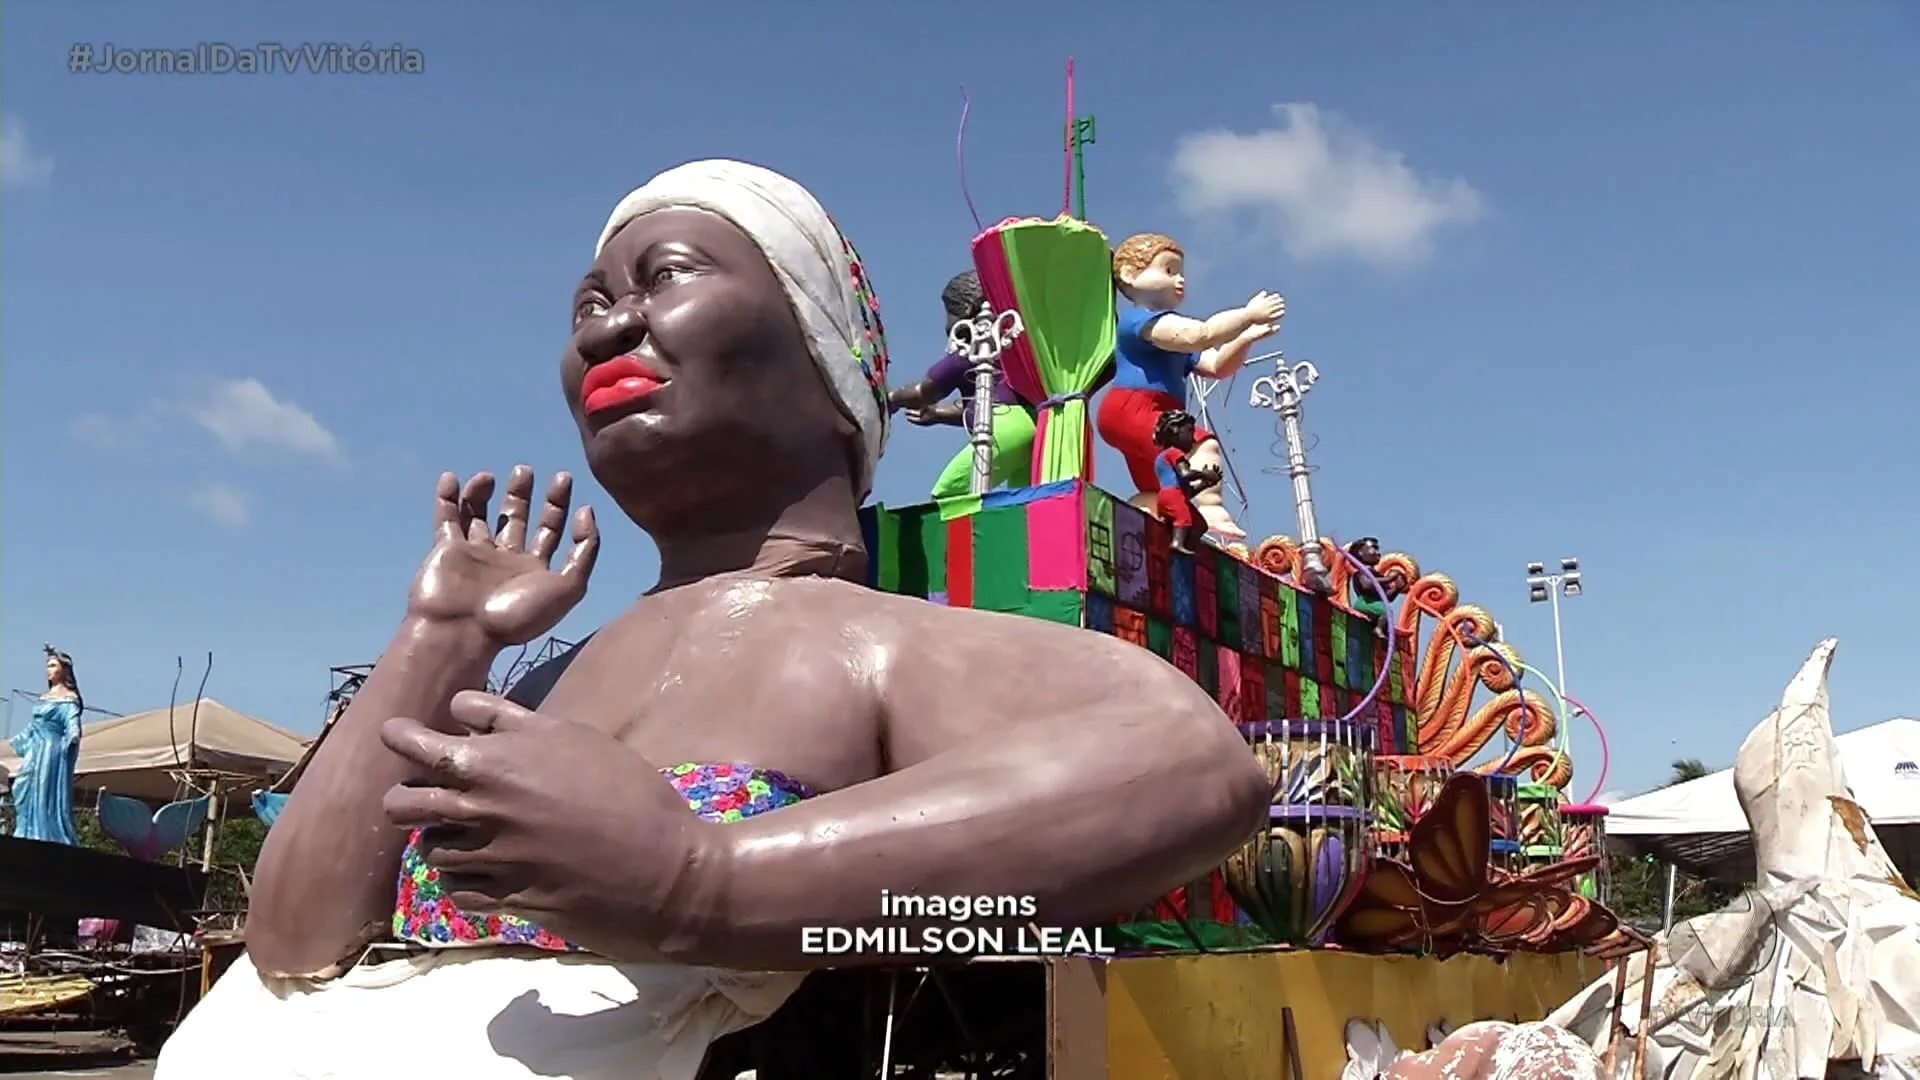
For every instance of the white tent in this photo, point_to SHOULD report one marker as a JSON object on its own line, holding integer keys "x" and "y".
{"x": 1699, "y": 827}
{"x": 145, "y": 755}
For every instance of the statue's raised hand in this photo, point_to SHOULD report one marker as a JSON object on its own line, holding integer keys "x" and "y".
{"x": 498, "y": 580}
{"x": 1265, "y": 307}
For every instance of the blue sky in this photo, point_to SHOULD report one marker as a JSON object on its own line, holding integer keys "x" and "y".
{"x": 1632, "y": 282}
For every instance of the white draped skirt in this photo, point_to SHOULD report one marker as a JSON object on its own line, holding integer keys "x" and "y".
{"x": 472, "y": 1013}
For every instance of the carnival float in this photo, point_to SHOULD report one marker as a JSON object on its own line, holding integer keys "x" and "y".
{"x": 1424, "y": 865}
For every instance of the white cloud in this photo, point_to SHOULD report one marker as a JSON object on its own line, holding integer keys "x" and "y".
{"x": 1322, "y": 187}
{"x": 20, "y": 164}
{"x": 240, "y": 412}
{"x": 222, "y": 503}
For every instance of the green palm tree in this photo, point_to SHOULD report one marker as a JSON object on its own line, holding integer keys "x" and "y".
{"x": 1686, "y": 769}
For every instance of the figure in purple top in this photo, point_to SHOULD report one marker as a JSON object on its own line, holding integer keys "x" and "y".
{"x": 926, "y": 403}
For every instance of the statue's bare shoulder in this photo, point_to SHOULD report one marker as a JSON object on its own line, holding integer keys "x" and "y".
{"x": 940, "y": 674}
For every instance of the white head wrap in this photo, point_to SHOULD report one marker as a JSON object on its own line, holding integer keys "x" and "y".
{"x": 817, "y": 267}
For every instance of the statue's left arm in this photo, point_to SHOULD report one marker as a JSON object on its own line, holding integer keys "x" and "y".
{"x": 1027, "y": 760}
{"x": 946, "y": 377}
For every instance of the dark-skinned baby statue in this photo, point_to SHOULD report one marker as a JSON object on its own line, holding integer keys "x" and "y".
{"x": 1175, "y": 433}
{"x": 1012, "y": 418}
{"x": 601, "y": 880}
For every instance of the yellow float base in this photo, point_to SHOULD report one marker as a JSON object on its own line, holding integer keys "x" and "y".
{"x": 1218, "y": 1017}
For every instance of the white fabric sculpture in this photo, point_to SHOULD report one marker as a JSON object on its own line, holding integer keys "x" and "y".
{"x": 1819, "y": 964}
{"x": 1485, "y": 1050}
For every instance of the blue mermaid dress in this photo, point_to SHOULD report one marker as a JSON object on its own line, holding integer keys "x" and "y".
{"x": 49, "y": 749}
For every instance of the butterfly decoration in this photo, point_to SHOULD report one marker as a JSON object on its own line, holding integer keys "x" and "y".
{"x": 1447, "y": 896}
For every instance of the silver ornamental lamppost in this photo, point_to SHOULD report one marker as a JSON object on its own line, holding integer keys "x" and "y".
{"x": 1282, "y": 392}
{"x": 982, "y": 339}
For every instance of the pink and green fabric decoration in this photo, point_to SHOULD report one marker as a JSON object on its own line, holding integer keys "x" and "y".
{"x": 1058, "y": 275}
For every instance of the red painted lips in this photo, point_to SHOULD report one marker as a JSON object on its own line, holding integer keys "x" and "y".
{"x": 620, "y": 381}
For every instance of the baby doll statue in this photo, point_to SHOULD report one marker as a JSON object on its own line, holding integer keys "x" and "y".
{"x": 1178, "y": 478}
{"x": 1156, "y": 348}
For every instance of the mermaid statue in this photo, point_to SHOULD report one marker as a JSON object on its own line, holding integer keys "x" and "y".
{"x": 49, "y": 749}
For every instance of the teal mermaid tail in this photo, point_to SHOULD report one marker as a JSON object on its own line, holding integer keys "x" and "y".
{"x": 148, "y": 834}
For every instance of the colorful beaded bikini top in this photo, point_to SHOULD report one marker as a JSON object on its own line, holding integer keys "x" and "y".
{"x": 719, "y": 792}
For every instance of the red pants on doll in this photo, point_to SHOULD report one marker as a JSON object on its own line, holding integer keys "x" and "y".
{"x": 1176, "y": 507}
{"x": 1125, "y": 421}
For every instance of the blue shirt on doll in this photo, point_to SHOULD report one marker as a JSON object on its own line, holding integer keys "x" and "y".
{"x": 1139, "y": 364}
{"x": 1165, "y": 469}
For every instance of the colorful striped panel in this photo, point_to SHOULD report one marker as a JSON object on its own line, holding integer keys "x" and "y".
{"x": 1065, "y": 606}
{"x": 1130, "y": 559}
{"x": 1276, "y": 684}
{"x": 1253, "y": 635}
{"x": 1253, "y": 690}
{"x": 1099, "y": 614}
{"x": 999, "y": 560}
{"x": 1206, "y": 595}
{"x": 1100, "y": 540}
{"x": 1207, "y": 664}
{"x": 960, "y": 562}
{"x": 1160, "y": 637}
{"x": 1227, "y": 682}
{"x": 1337, "y": 649}
{"x": 1159, "y": 555}
{"x": 1186, "y": 652}
{"x": 1180, "y": 585}
{"x": 1303, "y": 618}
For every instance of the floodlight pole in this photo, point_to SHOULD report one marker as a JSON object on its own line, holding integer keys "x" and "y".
{"x": 1567, "y": 580}
{"x": 1559, "y": 646}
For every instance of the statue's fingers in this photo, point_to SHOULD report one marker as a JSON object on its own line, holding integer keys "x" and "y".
{"x": 511, "y": 533}
{"x": 586, "y": 547}
{"x": 449, "y": 758}
{"x": 425, "y": 807}
{"x": 447, "y": 522}
{"x": 553, "y": 517}
{"x": 473, "y": 506}
{"x": 484, "y": 714}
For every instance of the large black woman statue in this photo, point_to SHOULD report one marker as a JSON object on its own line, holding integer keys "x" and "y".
{"x": 599, "y": 882}
{"x": 49, "y": 749}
